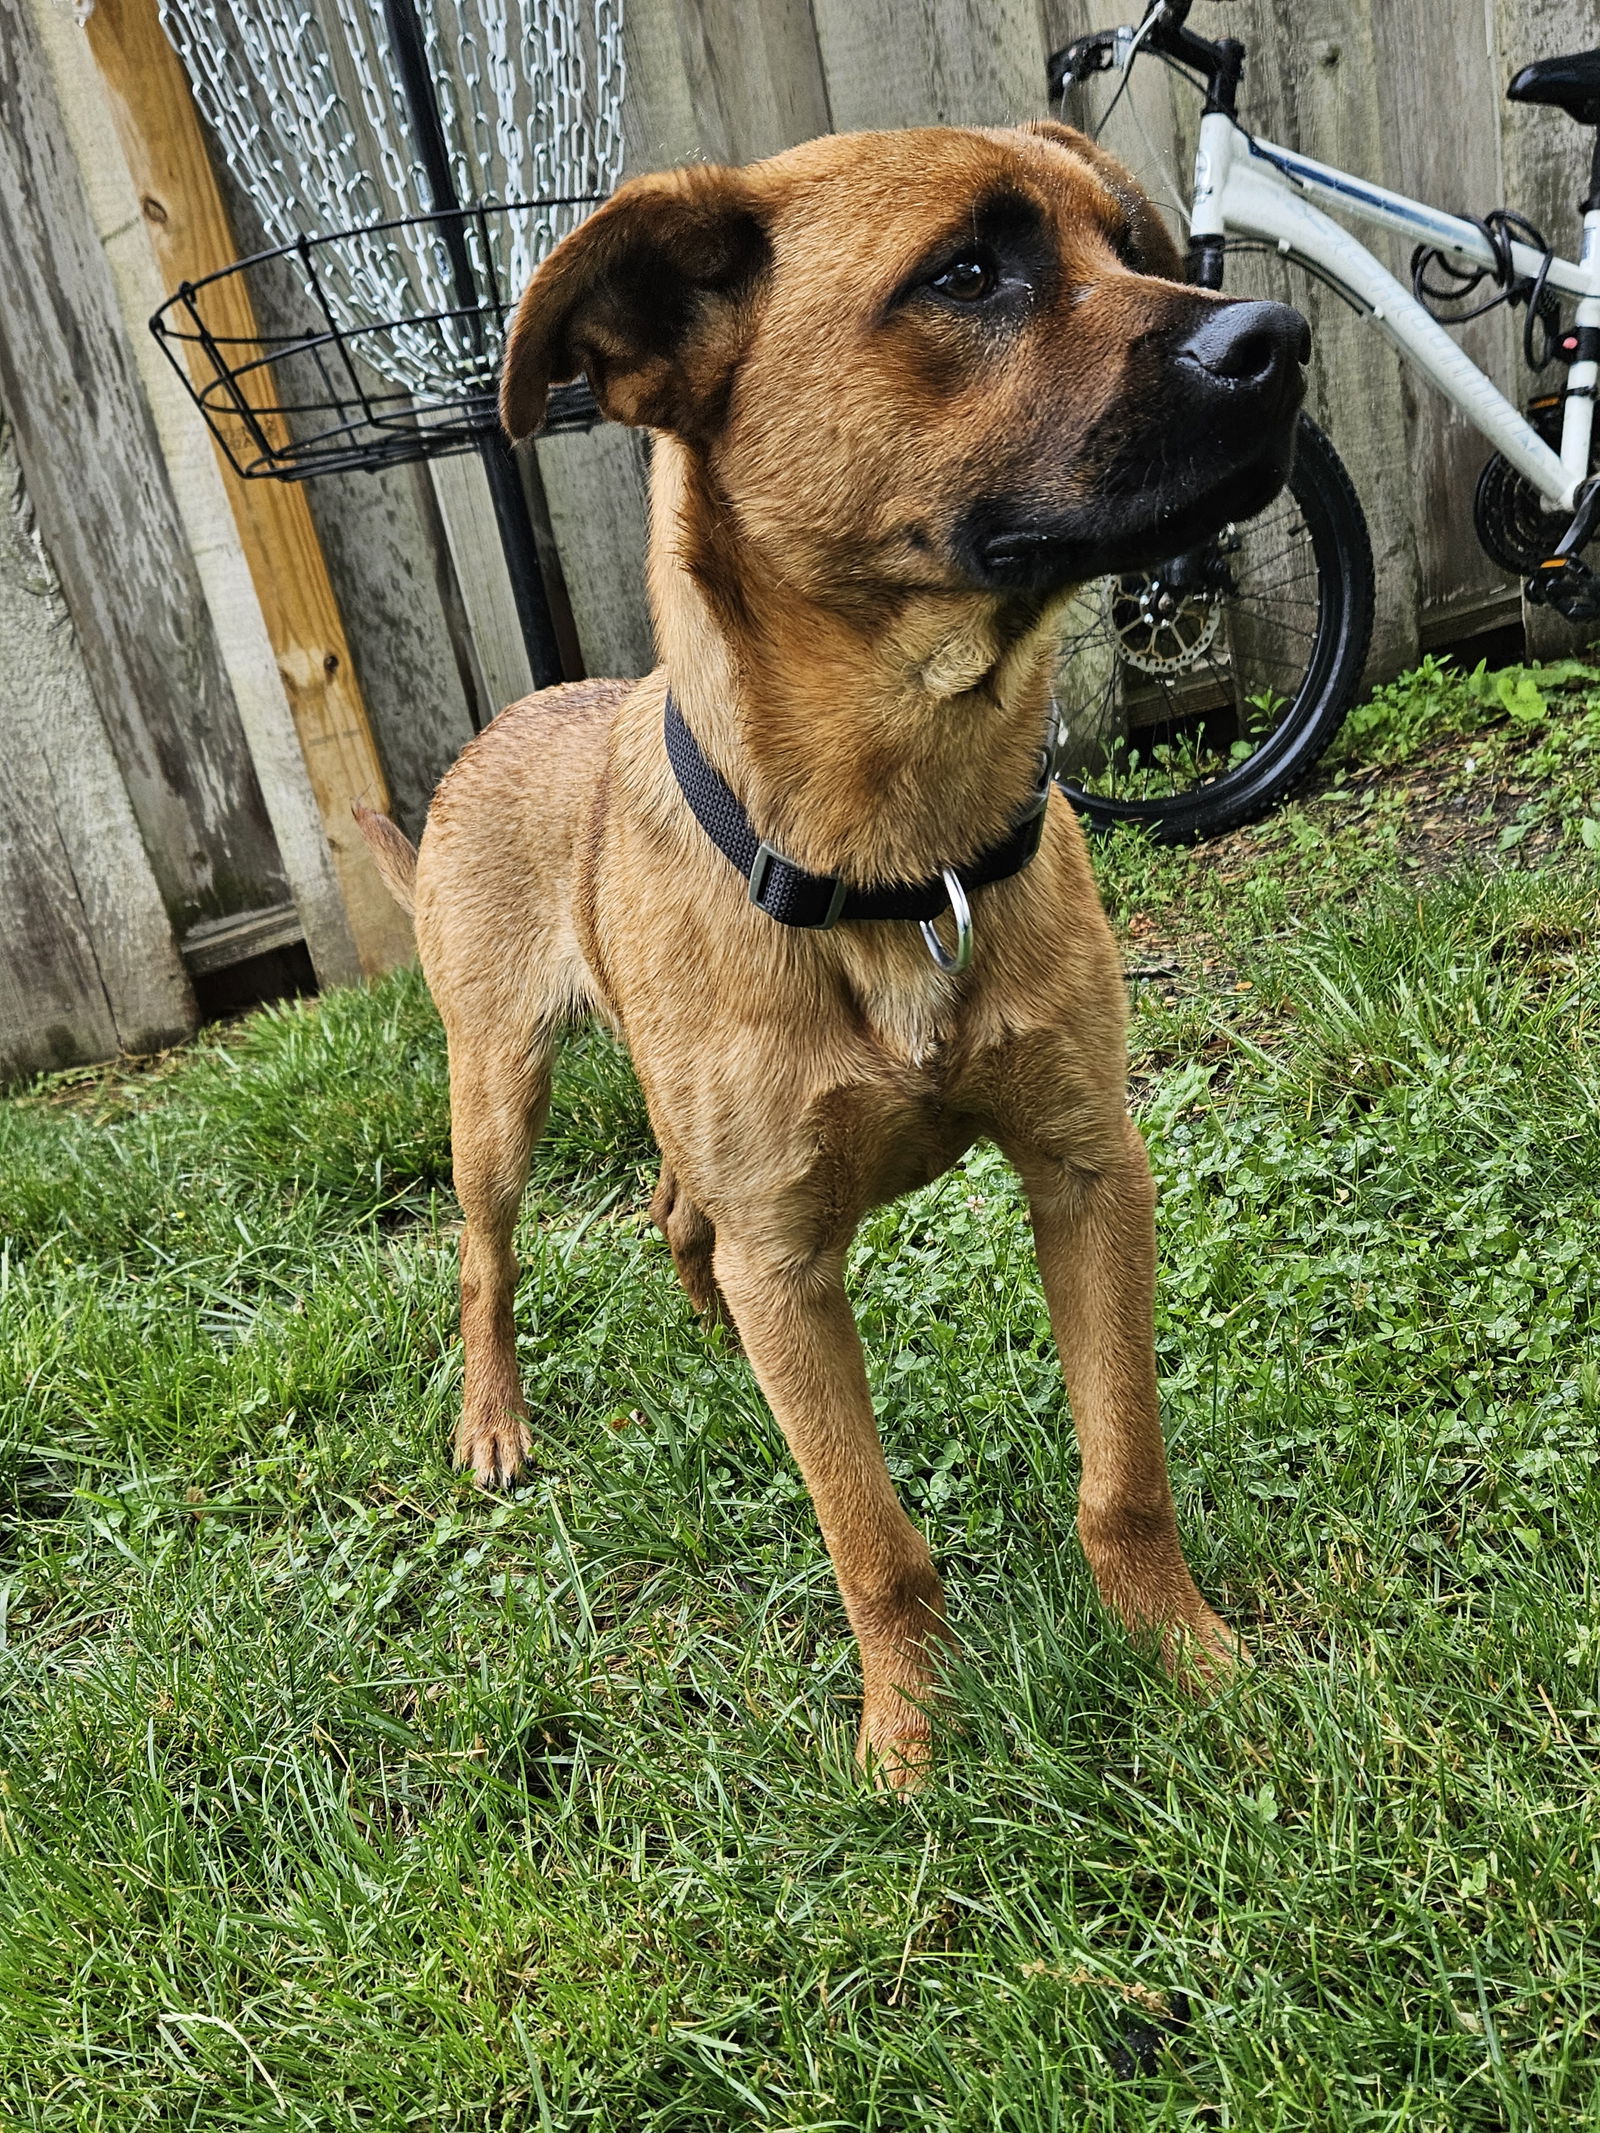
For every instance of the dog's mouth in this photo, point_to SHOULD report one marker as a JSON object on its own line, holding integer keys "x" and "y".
{"x": 1141, "y": 514}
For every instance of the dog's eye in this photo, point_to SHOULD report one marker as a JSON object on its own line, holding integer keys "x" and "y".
{"x": 967, "y": 280}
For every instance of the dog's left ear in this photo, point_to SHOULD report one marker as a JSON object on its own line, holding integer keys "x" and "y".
{"x": 652, "y": 297}
{"x": 1153, "y": 249}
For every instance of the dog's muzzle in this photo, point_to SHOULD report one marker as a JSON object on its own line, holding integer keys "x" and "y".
{"x": 1218, "y": 448}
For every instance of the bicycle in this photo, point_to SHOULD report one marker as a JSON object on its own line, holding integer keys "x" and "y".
{"x": 1195, "y": 696}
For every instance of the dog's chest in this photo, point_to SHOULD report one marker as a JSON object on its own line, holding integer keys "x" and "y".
{"x": 908, "y": 1014}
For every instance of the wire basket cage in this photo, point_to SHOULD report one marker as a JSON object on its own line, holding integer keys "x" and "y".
{"x": 442, "y": 149}
{"x": 315, "y": 393}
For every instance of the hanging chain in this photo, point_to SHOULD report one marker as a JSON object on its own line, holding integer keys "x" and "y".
{"x": 310, "y": 113}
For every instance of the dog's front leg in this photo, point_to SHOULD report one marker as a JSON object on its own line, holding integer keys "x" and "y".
{"x": 498, "y": 1099}
{"x": 801, "y": 1339}
{"x": 1094, "y": 1229}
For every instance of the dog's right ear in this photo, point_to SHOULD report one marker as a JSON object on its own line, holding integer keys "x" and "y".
{"x": 652, "y": 297}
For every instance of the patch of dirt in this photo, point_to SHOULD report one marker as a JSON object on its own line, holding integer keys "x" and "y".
{"x": 1443, "y": 811}
{"x": 1449, "y": 808}
{"x": 107, "y": 1087}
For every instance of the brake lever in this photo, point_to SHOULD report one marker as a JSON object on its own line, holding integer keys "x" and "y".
{"x": 1097, "y": 53}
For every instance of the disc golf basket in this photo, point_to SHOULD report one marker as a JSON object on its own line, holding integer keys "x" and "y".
{"x": 413, "y": 169}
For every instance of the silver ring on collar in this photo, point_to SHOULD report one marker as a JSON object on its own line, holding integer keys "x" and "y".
{"x": 961, "y": 912}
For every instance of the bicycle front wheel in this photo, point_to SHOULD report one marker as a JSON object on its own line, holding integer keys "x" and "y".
{"x": 1194, "y": 696}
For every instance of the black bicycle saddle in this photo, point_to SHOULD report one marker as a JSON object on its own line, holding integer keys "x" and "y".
{"x": 1572, "y": 84}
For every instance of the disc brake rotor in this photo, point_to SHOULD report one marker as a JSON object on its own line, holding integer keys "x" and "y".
{"x": 1157, "y": 630}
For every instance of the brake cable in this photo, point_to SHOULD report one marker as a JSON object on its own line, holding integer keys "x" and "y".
{"x": 1497, "y": 228}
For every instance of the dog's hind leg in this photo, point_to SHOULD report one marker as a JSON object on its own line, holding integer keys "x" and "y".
{"x": 801, "y": 1338}
{"x": 499, "y": 1095}
{"x": 1094, "y": 1228}
{"x": 692, "y": 1237}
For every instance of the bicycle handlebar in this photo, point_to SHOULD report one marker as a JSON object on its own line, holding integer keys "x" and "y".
{"x": 1164, "y": 28}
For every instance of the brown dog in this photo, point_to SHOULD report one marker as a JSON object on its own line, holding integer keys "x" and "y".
{"x": 907, "y": 389}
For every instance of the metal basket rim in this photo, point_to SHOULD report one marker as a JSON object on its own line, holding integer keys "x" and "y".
{"x": 305, "y": 241}
{"x": 457, "y": 415}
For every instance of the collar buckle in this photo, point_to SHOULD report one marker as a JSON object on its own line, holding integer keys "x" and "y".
{"x": 767, "y": 857}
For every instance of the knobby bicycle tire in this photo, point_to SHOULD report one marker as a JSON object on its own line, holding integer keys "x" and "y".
{"x": 1161, "y": 724}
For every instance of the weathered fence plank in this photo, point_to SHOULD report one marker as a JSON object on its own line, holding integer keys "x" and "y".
{"x": 108, "y": 519}
{"x": 122, "y": 228}
{"x": 384, "y": 544}
{"x": 931, "y": 62}
{"x": 88, "y": 962}
{"x": 719, "y": 81}
{"x": 1317, "y": 100}
{"x": 595, "y": 486}
{"x": 1546, "y": 162}
{"x": 166, "y": 152}
{"x": 500, "y": 671}
{"x": 1453, "y": 160}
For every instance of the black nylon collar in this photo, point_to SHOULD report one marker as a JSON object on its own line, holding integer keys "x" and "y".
{"x": 792, "y": 896}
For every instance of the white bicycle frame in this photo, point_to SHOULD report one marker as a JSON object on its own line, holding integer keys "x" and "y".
{"x": 1248, "y": 188}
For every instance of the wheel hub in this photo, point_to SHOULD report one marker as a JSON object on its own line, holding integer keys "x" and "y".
{"x": 1161, "y": 628}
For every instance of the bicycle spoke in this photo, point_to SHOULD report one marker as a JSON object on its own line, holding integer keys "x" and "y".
{"x": 1172, "y": 681}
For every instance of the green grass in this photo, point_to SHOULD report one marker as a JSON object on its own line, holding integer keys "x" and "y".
{"x": 336, "y": 1794}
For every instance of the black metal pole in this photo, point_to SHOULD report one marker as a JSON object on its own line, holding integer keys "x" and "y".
{"x": 522, "y": 559}
{"x": 505, "y": 482}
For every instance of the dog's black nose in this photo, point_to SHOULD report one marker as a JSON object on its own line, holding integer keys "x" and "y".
{"x": 1247, "y": 345}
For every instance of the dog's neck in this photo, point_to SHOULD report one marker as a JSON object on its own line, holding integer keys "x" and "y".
{"x": 879, "y": 739}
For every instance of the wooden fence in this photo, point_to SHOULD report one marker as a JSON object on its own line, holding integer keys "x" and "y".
{"x": 198, "y": 675}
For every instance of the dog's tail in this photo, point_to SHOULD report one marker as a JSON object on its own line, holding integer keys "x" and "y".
{"x": 393, "y": 853}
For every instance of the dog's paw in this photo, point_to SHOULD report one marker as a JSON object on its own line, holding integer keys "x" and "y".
{"x": 1203, "y": 1655}
{"x": 495, "y": 1443}
{"x": 897, "y": 1766}
{"x": 894, "y": 1751}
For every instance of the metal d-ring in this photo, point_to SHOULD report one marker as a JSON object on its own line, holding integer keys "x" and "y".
{"x": 961, "y": 912}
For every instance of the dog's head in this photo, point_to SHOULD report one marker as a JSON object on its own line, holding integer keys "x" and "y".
{"x": 944, "y": 359}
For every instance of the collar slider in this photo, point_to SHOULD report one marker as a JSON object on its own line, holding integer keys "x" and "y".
{"x": 767, "y": 857}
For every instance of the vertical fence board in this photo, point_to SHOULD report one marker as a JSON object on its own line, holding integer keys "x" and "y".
{"x": 752, "y": 75}
{"x": 1546, "y": 156}
{"x": 931, "y": 62}
{"x": 88, "y": 962}
{"x": 1327, "y": 110}
{"x": 720, "y": 81}
{"x": 107, "y": 516}
{"x": 499, "y": 658}
{"x": 595, "y": 487}
{"x": 387, "y": 555}
{"x": 1453, "y": 161}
